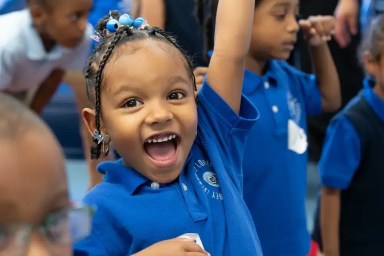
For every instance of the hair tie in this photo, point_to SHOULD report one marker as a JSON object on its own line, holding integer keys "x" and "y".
{"x": 125, "y": 20}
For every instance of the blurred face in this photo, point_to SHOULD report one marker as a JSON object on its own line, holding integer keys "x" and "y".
{"x": 63, "y": 22}
{"x": 274, "y": 29}
{"x": 32, "y": 187}
{"x": 375, "y": 67}
{"x": 148, "y": 108}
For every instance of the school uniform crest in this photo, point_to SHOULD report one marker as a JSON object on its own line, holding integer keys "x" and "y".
{"x": 211, "y": 179}
{"x": 208, "y": 180}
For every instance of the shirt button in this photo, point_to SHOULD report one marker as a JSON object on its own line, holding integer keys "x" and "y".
{"x": 155, "y": 185}
{"x": 275, "y": 109}
{"x": 185, "y": 188}
{"x": 266, "y": 85}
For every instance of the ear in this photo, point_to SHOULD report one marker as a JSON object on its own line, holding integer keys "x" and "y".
{"x": 370, "y": 63}
{"x": 89, "y": 121}
{"x": 38, "y": 14}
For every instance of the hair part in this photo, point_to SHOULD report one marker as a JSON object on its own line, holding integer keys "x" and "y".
{"x": 95, "y": 78}
{"x": 373, "y": 39}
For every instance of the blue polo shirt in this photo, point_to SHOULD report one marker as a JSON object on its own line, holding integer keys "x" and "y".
{"x": 274, "y": 175}
{"x": 342, "y": 152}
{"x": 134, "y": 212}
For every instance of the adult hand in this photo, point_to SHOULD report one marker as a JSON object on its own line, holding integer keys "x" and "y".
{"x": 346, "y": 14}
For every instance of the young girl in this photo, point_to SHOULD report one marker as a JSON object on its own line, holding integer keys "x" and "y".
{"x": 35, "y": 212}
{"x": 181, "y": 155}
{"x": 351, "y": 166}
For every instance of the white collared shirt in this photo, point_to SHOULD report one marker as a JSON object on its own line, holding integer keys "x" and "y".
{"x": 24, "y": 63}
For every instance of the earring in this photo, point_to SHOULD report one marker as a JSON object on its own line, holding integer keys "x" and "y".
{"x": 105, "y": 145}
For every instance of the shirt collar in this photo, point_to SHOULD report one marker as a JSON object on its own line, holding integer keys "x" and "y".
{"x": 35, "y": 48}
{"x": 257, "y": 80}
{"x": 376, "y": 103}
{"x": 116, "y": 172}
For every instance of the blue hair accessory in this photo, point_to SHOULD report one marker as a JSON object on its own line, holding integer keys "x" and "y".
{"x": 138, "y": 22}
{"x": 125, "y": 20}
{"x": 112, "y": 25}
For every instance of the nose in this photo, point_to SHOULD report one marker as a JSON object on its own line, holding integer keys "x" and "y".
{"x": 293, "y": 25}
{"x": 38, "y": 245}
{"x": 158, "y": 113}
{"x": 83, "y": 24}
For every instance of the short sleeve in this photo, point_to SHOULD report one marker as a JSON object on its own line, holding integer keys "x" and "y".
{"x": 6, "y": 68}
{"x": 311, "y": 93}
{"x": 341, "y": 154}
{"x": 223, "y": 131}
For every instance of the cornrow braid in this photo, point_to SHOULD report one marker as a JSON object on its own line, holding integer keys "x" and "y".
{"x": 102, "y": 53}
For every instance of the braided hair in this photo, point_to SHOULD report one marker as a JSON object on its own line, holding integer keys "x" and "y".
{"x": 102, "y": 53}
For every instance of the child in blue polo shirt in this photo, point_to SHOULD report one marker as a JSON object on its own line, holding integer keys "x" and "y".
{"x": 179, "y": 172}
{"x": 351, "y": 165}
{"x": 275, "y": 160}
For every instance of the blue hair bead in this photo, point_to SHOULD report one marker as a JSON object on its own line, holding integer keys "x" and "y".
{"x": 112, "y": 25}
{"x": 138, "y": 22}
{"x": 126, "y": 20}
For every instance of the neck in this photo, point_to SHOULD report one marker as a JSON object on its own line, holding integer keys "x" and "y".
{"x": 256, "y": 66}
{"x": 47, "y": 42}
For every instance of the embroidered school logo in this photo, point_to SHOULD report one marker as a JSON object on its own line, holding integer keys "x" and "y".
{"x": 207, "y": 179}
{"x": 294, "y": 107}
{"x": 211, "y": 179}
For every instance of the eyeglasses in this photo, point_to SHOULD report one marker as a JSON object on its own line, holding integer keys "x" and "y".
{"x": 60, "y": 228}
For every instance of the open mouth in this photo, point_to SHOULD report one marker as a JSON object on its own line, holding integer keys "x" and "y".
{"x": 162, "y": 149}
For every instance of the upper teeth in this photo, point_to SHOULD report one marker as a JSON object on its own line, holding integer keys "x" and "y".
{"x": 161, "y": 139}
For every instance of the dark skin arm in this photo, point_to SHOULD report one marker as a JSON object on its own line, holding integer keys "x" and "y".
{"x": 46, "y": 90}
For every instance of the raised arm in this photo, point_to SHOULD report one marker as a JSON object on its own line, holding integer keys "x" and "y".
{"x": 318, "y": 31}
{"x": 232, "y": 39}
{"x": 153, "y": 11}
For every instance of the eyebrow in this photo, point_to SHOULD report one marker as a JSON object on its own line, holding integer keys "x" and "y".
{"x": 172, "y": 80}
{"x": 284, "y": 4}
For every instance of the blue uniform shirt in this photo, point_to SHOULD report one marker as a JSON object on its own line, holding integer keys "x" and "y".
{"x": 274, "y": 175}
{"x": 341, "y": 154}
{"x": 134, "y": 212}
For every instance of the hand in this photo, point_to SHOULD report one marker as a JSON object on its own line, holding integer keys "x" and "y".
{"x": 173, "y": 247}
{"x": 318, "y": 29}
{"x": 346, "y": 14}
{"x": 200, "y": 73}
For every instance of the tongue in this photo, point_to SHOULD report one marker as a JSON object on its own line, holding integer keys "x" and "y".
{"x": 160, "y": 151}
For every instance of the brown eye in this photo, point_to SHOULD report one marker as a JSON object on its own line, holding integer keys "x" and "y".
{"x": 131, "y": 103}
{"x": 176, "y": 95}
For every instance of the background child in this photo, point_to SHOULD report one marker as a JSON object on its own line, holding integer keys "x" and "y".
{"x": 275, "y": 190}
{"x": 33, "y": 187}
{"x": 177, "y": 174}
{"x": 351, "y": 166}
{"x": 52, "y": 37}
